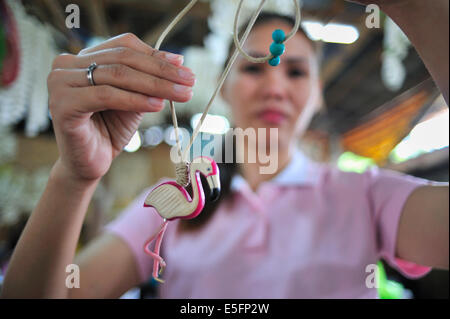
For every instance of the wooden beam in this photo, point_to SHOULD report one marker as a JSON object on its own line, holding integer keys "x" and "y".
{"x": 57, "y": 12}
{"x": 333, "y": 67}
{"x": 200, "y": 10}
{"x": 353, "y": 78}
{"x": 97, "y": 17}
{"x": 425, "y": 161}
{"x": 151, "y": 37}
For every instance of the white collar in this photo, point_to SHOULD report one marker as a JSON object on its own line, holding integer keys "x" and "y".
{"x": 300, "y": 171}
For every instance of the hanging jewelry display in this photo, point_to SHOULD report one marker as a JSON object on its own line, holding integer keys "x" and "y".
{"x": 170, "y": 199}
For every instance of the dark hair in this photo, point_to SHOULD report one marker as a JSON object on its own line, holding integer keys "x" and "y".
{"x": 228, "y": 170}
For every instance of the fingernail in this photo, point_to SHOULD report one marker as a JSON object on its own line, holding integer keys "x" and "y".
{"x": 154, "y": 101}
{"x": 174, "y": 58}
{"x": 186, "y": 75}
{"x": 182, "y": 88}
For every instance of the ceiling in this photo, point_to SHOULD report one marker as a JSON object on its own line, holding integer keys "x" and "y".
{"x": 351, "y": 73}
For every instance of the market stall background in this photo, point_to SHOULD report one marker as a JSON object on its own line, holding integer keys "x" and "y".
{"x": 375, "y": 86}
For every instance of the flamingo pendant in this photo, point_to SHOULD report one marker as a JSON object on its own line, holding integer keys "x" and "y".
{"x": 172, "y": 202}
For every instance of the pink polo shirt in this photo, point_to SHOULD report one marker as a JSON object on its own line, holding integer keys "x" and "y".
{"x": 308, "y": 233}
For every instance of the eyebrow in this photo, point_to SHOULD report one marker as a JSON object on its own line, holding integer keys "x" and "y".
{"x": 289, "y": 59}
{"x": 293, "y": 60}
{"x": 257, "y": 54}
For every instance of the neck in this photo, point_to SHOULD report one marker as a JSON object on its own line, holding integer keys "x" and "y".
{"x": 251, "y": 171}
{"x": 195, "y": 182}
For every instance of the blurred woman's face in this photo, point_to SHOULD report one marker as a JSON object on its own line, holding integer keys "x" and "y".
{"x": 284, "y": 97}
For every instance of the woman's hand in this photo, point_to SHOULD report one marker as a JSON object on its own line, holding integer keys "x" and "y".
{"x": 93, "y": 123}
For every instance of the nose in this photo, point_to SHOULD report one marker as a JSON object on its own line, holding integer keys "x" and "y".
{"x": 274, "y": 85}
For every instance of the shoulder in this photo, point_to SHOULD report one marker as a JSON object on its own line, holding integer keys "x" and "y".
{"x": 330, "y": 176}
{"x": 373, "y": 182}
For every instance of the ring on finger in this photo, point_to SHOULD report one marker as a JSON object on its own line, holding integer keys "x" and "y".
{"x": 90, "y": 73}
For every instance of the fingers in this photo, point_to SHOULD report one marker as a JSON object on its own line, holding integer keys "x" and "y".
{"x": 152, "y": 65}
{"x": 124, "y": 40}
{"x": 68, "y": 61}
{"x": 64, "y": 61}
{"x": 131, "y": 41}
{"x": 131, "y": 76}
{"x": 116, "y": 65}
{"x": 92, "y": 99}
{"x": 127, "y": 40}
{"x": 126, "y": 78}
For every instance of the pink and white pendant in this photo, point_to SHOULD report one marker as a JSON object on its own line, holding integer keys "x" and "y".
{"x": 172, "y": 202}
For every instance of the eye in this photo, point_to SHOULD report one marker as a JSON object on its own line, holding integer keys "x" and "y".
{"x": 209, "y": 169}
{"x": 296, "y": 73}
{"x": 251, "y": 68}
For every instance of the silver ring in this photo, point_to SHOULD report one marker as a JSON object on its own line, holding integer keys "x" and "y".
{"x": 90, "y": 73}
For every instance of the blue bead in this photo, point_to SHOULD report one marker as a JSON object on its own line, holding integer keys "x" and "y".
{"x": 278, "y": 36}
{"x": 277, "y": 49}
{"x": 275, "y": 61}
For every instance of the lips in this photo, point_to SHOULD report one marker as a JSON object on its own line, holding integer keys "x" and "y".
{"x": 271, "y": 116}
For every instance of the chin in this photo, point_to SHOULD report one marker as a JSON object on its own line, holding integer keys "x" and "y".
{"x": 268, "y": 125}
{"x": 284, "y": 129}
{"x": 281, "y": 139}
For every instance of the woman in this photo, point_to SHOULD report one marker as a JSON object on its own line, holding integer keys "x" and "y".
{"x": 305, "y": 231}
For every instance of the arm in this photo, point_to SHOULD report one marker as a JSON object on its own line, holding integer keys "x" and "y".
{"x": 423, "y": 233}
{"x": 38, "y": 265}
{"x": 60, "y": 212}
{"x": 92, "y": 125}
{"x": 426, "y": 23}
{"x": 108, "y": 269}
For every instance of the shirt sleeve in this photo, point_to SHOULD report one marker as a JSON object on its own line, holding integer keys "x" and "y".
{"x": 135, "y": 225}
{"x": 388, "y": 193}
